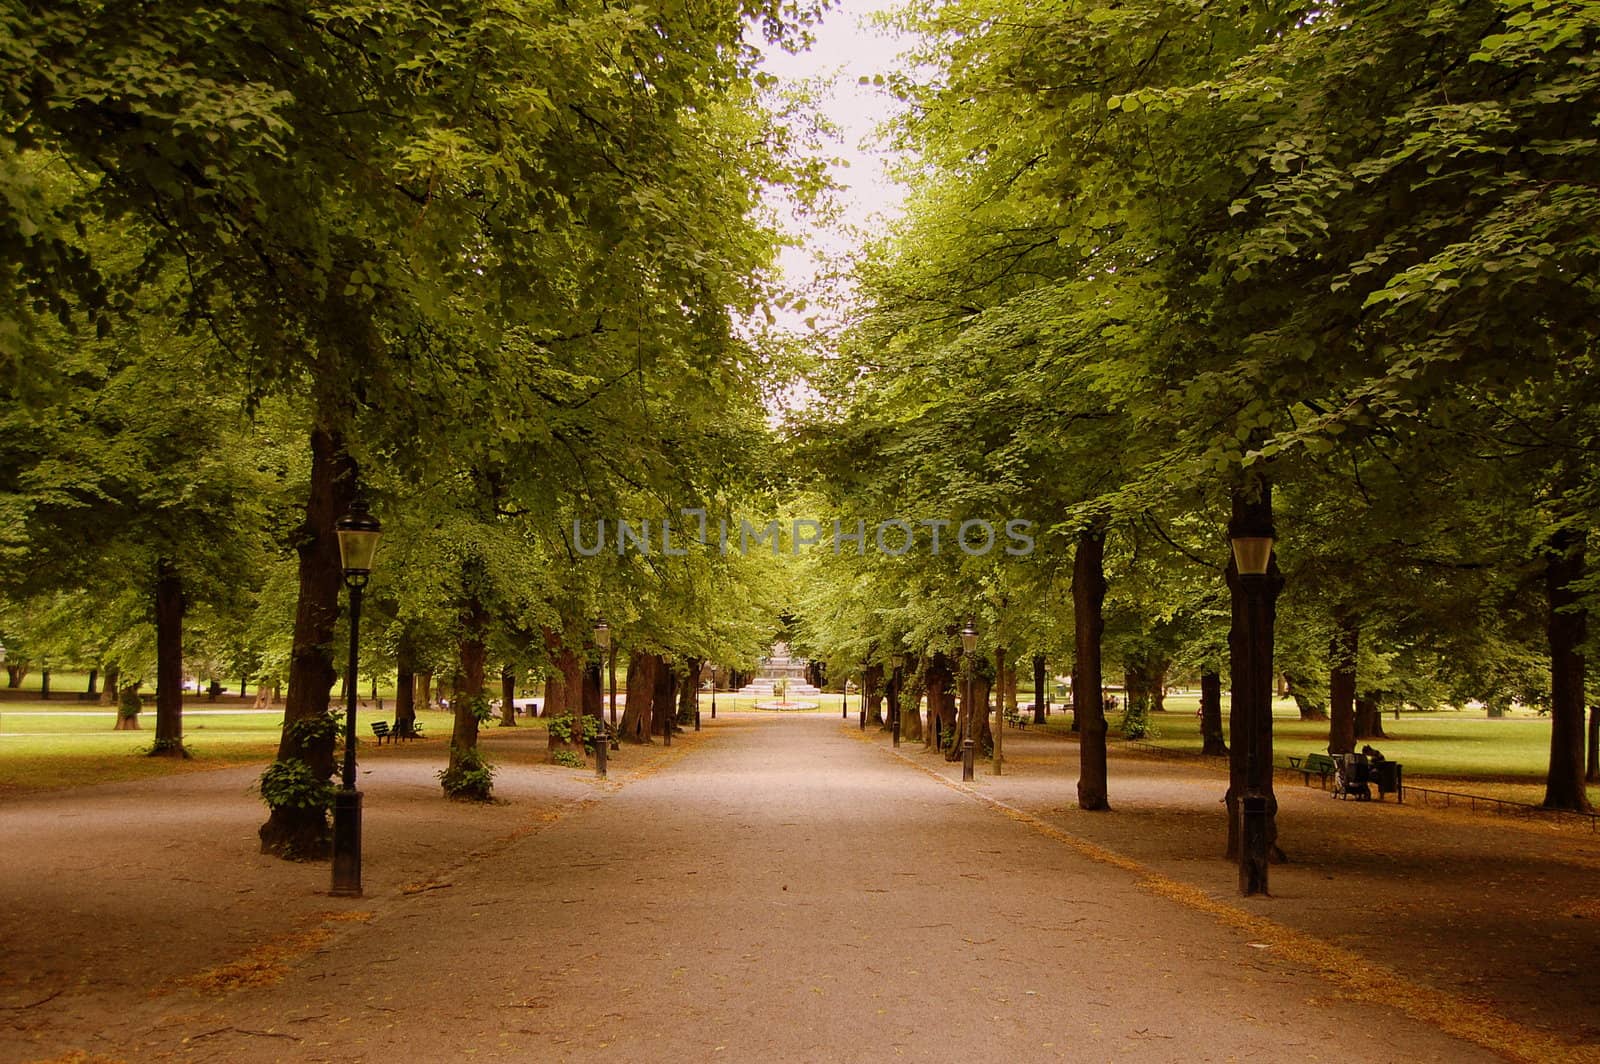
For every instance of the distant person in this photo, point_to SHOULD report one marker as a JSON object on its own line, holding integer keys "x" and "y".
{"x": 1372, "y": 754}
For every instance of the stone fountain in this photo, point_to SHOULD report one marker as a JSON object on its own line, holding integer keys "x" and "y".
{"x": 779, "y": 668}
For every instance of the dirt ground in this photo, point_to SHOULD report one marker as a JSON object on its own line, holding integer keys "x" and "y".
{"x": 783, "y": 887}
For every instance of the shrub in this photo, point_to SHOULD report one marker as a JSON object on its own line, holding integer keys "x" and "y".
{"x": 291, "y": 784}
{"x": 470, "y": 777}
{"x": 569, "y": 759}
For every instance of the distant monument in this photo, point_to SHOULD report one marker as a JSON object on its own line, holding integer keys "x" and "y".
{"x": 778, "y": 667}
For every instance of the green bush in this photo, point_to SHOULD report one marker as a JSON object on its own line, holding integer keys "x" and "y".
{"x": 561, "y": 728}
{"x": 1135, "y": 722}
{"x": 569, "y": 759}
{"x": 470, "y": 776}
{"x": 291, "y": 784}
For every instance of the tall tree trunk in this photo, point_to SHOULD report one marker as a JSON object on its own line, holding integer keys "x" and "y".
{"x": 1567, "y": 624}
{"x": 16, "y": 672}
{"x": 94, "y": 674}
{"x": 424, "y": 690}
{"x": 44, "y": 683}
{"x": 1251, "y": 674}
{"x": 594, "y": 696}
{"x": 169, "y": 661}
{"x": 1088, "y": 621}
{"x": 1342, "y": 685}
{"x": 405, "y": 685}
{"x": 1041, "y": 690}
{"x": 464, "y": 699}
{"x": 508, "y": 697}
{"x": 1212, "y": 741}
{"x": 294, "y": 832}
{"x": 641, "y": 684}
{"x": 108, "y": 691}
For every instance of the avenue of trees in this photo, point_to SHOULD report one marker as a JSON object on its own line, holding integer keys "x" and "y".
{"x": 1321, "y": 267}
{"x": 1167, "y": 269}
{"x": 484, "y": 267}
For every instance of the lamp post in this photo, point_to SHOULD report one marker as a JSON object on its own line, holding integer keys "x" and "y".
{"x": 358, "y": 533}
{"x": 602, "y": 639}
{"x": 713, "y": 692}
{"x": 697, "y": 695}
{"x": 969, "y": 644}
{"x": 666, "y": 719}
{"x": 1252, "y": 556}
{"x": 896, "y": 681}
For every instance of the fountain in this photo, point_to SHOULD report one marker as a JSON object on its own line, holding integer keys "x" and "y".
{"x": 780, "y": 672}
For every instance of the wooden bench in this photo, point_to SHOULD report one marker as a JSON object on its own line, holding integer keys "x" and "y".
{"x": 1320, "y": 765}
{"x": 380, "y": 728}
{"x": 1015, "y": 718}
{"x": 384, "y": 730}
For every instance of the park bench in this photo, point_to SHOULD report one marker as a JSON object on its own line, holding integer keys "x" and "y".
{"x": 383, "y": 730}
{"x": 380, "y": 728}
{"x": 1320, "y": 765}
{"x": 1015, "y": 718}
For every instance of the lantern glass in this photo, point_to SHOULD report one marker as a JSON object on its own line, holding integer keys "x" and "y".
{"x": 602, "y": 635}
{"x": 969, "y": 638}
{"x": 1252, "y": 554}
{"x": 359, "y": 533}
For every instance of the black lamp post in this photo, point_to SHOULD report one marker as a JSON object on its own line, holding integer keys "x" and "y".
{"x": 969, "y": 644}
{"x": 358, "y": 533}
{"x": 602, "y": 639}
{"x": 896, "y": 681}
{"x": 864, "y": 694}
{"x": 1252, "y": 555}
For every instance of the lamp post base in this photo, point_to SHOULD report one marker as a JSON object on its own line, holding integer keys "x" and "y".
{"x": 346, "y": 844}
{"x": 1253, "y": 847}
{"x": 966, "y": 760}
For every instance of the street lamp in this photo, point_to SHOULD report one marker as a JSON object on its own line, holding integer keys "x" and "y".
{"x": 969, "y": 644}
{"x": 896, "y": 680}
{"x": 1252, "y": 556}
{"x": 358, "y": 533}
{"x": 602, "y": 639}
{"x": 864, "y": 694}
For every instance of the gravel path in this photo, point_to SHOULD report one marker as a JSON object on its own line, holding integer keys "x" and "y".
{"x": 777, "y": 890}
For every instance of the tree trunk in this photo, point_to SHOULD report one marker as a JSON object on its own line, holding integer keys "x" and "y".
{"x": 293, "y": 832}
{"x": 687, "y": 693}
{"x": 1310, "y": 708}
{"x": 594, "y": 696}
{"x": 1041, "y": 690}
{"x": 641, "y": 684}
{"x": 1342, "y": 686}
{"x": 508, "y": 697}
{"x": 941, "y": 708}
{"x": 564, "y": 695}
{"x": 908, "y": 693}
{"x": 1567, "y": 625}
{"x": 662, "y": 698}
{"x": 423, "y": 698}
{"x": 1369, "y": 716}
{"x": 464, "y": 699}
{"x": 128, "y": 708}
{"x": 16, "y": 672}
{"x": 1212, "y": 741}
{"x": 405, "y": 685}
{"x": 94, "y": 675}
{"x": 108, "y": 690}
{"x": 1251, "y": 674}
{"x": 1088, "y": 709}
{"x": 44, "y": 683}
{"x": 872, "y": 691}
{"x": 169, "y": 661}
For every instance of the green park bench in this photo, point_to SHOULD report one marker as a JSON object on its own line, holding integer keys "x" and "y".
{"x": 1015, "y": 718}
{"x": 1320, "y": 765}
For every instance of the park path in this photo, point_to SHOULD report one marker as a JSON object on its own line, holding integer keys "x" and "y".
{"x": 782, "y": 891}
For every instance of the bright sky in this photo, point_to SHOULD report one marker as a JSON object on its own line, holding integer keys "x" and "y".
{"x": 847, "y": 49}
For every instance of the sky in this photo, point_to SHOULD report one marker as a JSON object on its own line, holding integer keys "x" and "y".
{"x": 847, "y": 48}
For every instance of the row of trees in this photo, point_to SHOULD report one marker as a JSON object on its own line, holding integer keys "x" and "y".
{"x": 1170, "y": 271}
{"x": 487, "y": 267}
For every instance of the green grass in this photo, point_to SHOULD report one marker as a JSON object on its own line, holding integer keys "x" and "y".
{"x": 45, "y": 744}
{"x": 1459, "y": 744}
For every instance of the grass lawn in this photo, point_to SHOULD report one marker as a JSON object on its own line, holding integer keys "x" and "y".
{"x": 67, "y": 743}
{"x": 63, "y": 744}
